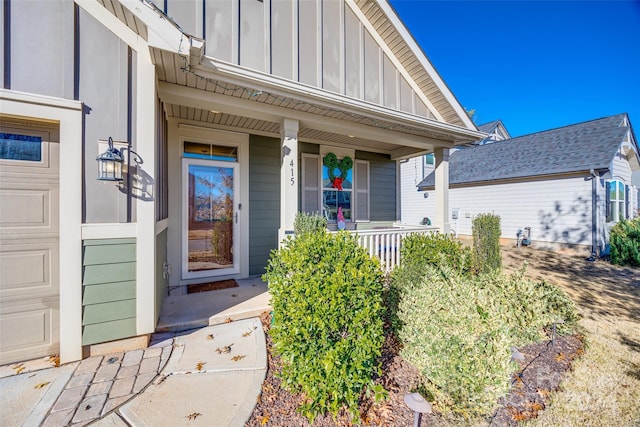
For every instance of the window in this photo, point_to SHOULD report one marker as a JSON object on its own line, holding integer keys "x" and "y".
{"x": 429, "y": 159}
{"x": 616, "y": 201}
{"x": 337, "y": 196}
{"x": 321, "y": 193}
{"x": 20, "y": 147}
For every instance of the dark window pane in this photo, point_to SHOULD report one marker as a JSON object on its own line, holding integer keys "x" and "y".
{"x": 20, "y": 147}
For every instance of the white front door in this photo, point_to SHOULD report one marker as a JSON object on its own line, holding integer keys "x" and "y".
{"x": 210, "y": 236}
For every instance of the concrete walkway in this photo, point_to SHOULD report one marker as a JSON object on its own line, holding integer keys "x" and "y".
{"x": 208, "y": 376}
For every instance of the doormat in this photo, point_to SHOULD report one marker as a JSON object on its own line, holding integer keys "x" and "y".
{"x": 212, "y": 286}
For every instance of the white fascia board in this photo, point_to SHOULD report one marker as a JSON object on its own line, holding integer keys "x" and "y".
{"x": 181, "y": 95}
{"x": 417, "y": 51}
{"x": 240, "y": 76}
{"x": 163, "y": 33}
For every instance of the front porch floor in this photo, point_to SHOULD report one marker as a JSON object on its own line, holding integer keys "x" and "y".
{"x": 190, "y": 311}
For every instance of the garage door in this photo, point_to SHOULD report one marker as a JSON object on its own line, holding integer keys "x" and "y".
{"x": 29, "y": 250}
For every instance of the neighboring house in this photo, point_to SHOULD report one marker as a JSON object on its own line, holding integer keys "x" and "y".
{"x": 231, "y": 112}
{"x": 495, "y": 130}
{"x": 569, "y": 185}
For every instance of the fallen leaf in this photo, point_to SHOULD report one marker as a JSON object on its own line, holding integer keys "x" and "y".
{"x": 225, "y": 349}
{"x": 210, "y": 336}
{"x": 264, "y": 420}
{"x": 228, "y": 320}
{"x": 560, "y": 357}
{"x": 193, "y": 416}
{"x": 19, "y": 369}
{"x": 238, "y": 357}
{"x": 200, "y": 365}
{"x": 42, "y": 384}
{"x": 55, "y": 360}
{"x": 246, "y": 334}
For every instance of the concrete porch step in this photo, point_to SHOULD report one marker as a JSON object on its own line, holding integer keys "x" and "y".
{"x": 190, "y": 311}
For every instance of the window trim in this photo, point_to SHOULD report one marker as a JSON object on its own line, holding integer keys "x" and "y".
{"x": 612, "y": 208}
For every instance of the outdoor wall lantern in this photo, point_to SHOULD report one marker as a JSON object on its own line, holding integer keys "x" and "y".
{"x": 110, "y": 164}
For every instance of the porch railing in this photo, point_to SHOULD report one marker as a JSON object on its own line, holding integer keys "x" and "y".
{"x": 385, "y": 244}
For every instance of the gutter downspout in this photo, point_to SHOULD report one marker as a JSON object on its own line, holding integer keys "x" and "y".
{"x": 594, "y": 215}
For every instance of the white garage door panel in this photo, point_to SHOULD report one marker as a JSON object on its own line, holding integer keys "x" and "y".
{"x": 29, "y": 241}
{"x": 24, "y": 207}
{"x": 28, "y": 268}
{"x": 32, "y": 209}
{"x": 27, "y": 328}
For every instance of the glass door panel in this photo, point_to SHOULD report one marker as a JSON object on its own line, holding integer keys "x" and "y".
{"x": 210, "y": 218}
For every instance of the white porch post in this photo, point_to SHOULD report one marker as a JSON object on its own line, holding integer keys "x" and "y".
{"x": 442, "y": 189}
{"x": 288, "y": 177}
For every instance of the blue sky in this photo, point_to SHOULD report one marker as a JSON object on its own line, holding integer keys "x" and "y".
{"x": 536, "y": 65}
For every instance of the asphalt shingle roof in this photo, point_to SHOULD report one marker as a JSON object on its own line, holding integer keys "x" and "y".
{"x": 574, "y": 148}
{"x": 488, "y": 127}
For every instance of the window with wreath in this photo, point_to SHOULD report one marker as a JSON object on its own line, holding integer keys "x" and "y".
{"x": 334, "y": 185}
{"x": 616, "y": 201}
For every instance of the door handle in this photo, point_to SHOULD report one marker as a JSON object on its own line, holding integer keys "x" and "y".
{"x": 236, "y": 217}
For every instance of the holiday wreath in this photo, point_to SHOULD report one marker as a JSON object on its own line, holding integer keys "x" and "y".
{"x": 344, "y": 166}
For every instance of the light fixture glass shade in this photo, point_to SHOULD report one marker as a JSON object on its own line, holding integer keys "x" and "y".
{"x": 110, "y": 164}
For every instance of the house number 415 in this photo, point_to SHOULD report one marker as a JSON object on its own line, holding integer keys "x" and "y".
{"x": 293, "y": 180}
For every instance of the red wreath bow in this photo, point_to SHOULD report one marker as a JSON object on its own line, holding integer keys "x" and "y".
{"x": 337, "y": 183}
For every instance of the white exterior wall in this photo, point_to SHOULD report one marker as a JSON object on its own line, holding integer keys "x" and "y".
{"x": 557, "y": 210}
{"x": 413, "y": 205}
{"x": 621, "y": 170}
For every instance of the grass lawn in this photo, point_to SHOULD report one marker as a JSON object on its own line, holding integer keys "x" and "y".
{"x": 604, "y": 387}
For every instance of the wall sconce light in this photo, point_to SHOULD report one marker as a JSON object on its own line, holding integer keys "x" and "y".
{"x": 110, "y": 164}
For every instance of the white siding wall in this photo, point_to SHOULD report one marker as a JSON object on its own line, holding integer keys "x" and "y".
{"x": 556, "y": 210}
{"x": 414, "y": 206}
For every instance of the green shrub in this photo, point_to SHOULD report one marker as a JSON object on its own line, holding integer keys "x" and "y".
{"x": 625, "y": 242}
{"x": 326, "y": 294}
{"x": 308, "y": 223}
{"x": 458, "y": 331}
{"x": 486, "y": 243}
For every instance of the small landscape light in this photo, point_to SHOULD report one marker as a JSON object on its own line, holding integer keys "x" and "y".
{"x": 418, "y": 405}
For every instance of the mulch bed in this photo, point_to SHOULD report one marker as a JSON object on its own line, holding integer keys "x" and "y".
{"x": 540, "y": 374}
{"x": 212, "y": 286}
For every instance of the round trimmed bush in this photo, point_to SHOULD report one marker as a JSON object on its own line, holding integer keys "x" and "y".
{"x": 326, "y": 294}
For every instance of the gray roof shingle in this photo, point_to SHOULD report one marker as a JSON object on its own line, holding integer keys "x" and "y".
{"x": 573, "y": 148}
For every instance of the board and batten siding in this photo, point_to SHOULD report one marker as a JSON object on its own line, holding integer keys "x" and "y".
{"x": 86, "y": 62}
{"x": 108, "y": 290}
{"x": 557, "y": 210}
{"x": 264, "y": 200}
{"x": 321, "y": 43}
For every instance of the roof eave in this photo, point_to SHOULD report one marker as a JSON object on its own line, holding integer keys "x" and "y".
{"x": 234, "y": 74}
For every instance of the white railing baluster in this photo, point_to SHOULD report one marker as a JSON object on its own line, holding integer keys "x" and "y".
{"x": 385, "y": 244}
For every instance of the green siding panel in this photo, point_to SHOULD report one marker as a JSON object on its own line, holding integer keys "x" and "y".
{"x": 264, "y": 200}
{"x": 109, "y": 273}
{"x": 108, "y": 292}
{"x": 109, "y": 254}
{"x": 161, "y": 281}
{"x": 105, "y": 242}
{"x": 382, "y": 185}
{"x": 109, "y": 331}
{"x": 108, "y": 312}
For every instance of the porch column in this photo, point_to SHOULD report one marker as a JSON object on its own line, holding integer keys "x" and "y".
{"x": 442, "y": 188}
{"x": 288, "y": 177}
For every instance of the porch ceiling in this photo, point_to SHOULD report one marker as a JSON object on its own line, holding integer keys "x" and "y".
{"x": 268, "y": 128}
